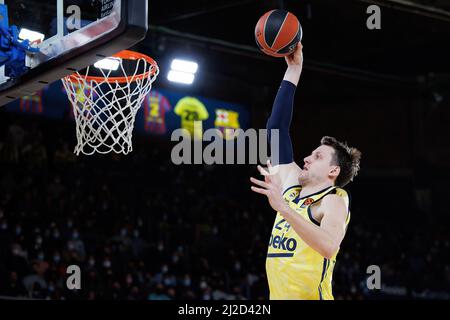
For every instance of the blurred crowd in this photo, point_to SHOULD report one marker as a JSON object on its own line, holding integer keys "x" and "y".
{"x": 141, "y": 228}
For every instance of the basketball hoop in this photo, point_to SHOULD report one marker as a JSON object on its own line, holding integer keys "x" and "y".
{"x": 106, "y": 99}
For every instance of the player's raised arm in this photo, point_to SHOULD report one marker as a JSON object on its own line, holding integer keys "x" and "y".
{"x": 281, "y": 118}
{"x": 295, "y": 65}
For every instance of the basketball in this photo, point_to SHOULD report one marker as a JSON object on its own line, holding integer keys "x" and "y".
{"x": 278, "y": 32}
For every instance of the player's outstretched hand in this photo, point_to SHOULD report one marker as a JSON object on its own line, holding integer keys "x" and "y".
{"x": 270, "y": 187}
{"x": 295, "y": 58}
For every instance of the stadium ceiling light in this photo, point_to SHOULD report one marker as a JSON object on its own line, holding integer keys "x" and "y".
{"x": 181, "y": 77}
{"x": 31, "y": 35}
{"x": 184, "y": 66}
{"x": 182, "y": 71}
{"x": 109, "y": 63}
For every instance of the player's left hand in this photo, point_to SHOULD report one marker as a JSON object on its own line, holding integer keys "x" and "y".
{"x": 270, "y": 187}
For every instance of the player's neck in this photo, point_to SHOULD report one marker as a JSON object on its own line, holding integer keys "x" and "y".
{"x": 313, "y": 188}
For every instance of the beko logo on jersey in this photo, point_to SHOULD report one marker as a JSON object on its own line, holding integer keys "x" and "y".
{"x": 283, "y": 243}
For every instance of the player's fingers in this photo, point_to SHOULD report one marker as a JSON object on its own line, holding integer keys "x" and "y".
{"x": 263, "y": 171}
{"x": 260, "y": 191}
{"x": 260, "y": 183}
{"x": 273, "y": 170}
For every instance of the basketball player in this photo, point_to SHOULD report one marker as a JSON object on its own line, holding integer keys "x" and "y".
{"x": 312, "y": 208}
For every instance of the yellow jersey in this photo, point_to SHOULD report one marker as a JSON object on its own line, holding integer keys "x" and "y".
{"x": 295, "y": 271}
{"x": 192, "y": 112}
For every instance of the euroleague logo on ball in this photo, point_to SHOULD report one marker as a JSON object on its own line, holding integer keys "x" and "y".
{"x": 278, "y": 32}
{"x": 292, "y": 47}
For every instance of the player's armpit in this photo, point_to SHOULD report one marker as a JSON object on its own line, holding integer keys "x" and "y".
{"x": 334, "y": 215}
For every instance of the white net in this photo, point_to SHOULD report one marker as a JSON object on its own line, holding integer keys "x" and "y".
{"x": 105, "y": 106}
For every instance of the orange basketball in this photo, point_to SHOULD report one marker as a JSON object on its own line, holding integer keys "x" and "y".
{"x": 278, "y": 32}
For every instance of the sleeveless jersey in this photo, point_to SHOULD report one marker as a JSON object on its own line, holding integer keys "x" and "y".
{"x": 295, "y": 270}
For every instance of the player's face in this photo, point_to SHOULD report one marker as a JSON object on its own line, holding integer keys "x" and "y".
{"x": 318, "y": 167}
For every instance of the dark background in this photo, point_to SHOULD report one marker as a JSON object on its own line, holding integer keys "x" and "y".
{"x": 385, "y": 91}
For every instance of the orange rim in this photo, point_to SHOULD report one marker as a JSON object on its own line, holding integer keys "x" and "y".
{"x": 127, "y": 55}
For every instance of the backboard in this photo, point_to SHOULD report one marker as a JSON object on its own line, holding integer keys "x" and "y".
{"x": 70, "y": 34}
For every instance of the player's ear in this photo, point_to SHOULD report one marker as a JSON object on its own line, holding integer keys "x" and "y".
{"x": 334, "y": 171}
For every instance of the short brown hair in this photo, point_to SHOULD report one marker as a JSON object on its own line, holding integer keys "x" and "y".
{"x": 347, "y": 158}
